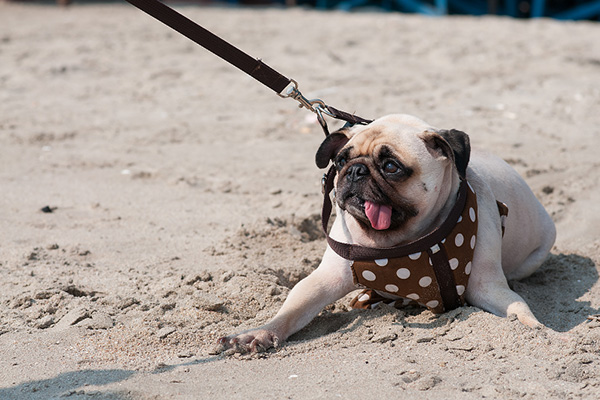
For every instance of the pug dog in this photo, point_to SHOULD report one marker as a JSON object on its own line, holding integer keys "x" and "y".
{"x": 398, "y": 180}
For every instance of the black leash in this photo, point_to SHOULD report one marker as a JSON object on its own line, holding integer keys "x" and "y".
{"x": 253, "y": 67}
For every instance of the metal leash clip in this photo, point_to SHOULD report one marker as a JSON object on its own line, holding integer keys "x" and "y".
{"x": 317, "y": 106}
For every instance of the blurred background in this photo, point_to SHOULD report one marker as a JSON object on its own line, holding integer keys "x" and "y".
{"x": 557, "y": 9}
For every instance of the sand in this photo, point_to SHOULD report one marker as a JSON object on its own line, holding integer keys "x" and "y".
{"x": 184, "y": 202}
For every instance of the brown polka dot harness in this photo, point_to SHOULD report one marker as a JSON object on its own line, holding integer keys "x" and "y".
{"x": 432, "y": 271}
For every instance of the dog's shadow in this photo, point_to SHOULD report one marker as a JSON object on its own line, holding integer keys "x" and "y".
{"x": 554, "y": 292}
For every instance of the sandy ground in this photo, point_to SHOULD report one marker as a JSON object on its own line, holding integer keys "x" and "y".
{"x": 185, "y": 203}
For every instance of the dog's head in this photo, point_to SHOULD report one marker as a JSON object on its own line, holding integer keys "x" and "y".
{"x": 394, "y": 170}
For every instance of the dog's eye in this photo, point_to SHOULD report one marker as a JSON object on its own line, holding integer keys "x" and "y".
{"x": 391, "y": 167}
{"x": 340, "y": 162}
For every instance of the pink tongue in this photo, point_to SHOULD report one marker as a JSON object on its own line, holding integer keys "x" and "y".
{"x": 379, "y": 215}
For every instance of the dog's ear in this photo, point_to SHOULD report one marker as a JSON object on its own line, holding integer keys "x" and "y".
{"x": 453, "y": 144}
{"x": 330, "y": 147}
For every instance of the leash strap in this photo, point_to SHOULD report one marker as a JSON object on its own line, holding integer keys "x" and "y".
{"x": 188, "y": 28}
{"x": 250, "y": 65}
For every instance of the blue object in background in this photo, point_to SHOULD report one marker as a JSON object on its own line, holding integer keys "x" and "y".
{"x": 578, "y": 9}
{"x": 559, "y": 9}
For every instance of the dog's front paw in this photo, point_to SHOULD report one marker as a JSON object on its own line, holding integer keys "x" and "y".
{"x": 256, "y": 341}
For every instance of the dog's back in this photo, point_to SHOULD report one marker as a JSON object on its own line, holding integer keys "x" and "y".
{"x": 529, "y": 230}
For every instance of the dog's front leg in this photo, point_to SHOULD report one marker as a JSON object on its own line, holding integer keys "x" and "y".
{"x": 328, "y": 283}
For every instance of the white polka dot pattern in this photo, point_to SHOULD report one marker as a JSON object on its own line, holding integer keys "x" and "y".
{"x": 403, "y": 273}
{"x": 432, "y": 304}
{"x": 425, "y": 281}
{"x": 453, "y": 263}
{"x": 368, "y": 275}
{"x": 364, "y": 297}
{"x": 391, "y": 288}
{"x": 459, "y": 240}
{"x": 413, "y": 277}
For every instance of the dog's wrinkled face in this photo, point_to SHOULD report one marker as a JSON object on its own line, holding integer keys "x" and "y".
{"x": 372, "y": 179}
{"x": 393, "y": 170}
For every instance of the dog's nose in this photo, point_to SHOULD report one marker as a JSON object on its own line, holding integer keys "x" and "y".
{"x": 356, "y": 172}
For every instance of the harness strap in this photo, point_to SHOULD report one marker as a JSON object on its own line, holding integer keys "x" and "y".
{"x": 350, "y": 118}
{"x": 250, "y": 65}
{"x": 437, "y": 253}
{"x": 445, "y": 278}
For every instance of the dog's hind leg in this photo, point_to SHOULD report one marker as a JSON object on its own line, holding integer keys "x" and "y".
{"x": 537, "y": 257}
{"x": 490, "y": 291}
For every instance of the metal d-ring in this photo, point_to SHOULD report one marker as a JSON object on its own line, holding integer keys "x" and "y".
{"x": 317, "y": 106}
